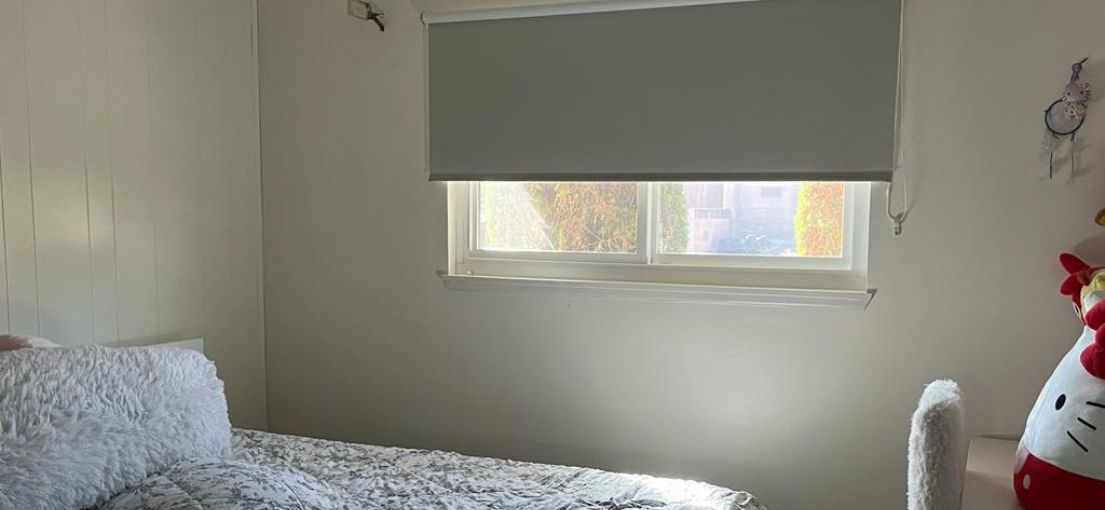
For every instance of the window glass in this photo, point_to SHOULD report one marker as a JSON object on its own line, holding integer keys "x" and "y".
{"x": 802, "y": 219}
{"x": 557, "y": 217}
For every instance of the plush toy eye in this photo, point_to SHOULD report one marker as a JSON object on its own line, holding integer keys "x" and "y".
{"x": 1060, "y": 402}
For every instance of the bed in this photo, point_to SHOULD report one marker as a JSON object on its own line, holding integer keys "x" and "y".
{"x": 147, "y": 429}
{"x": 398, "y": 478}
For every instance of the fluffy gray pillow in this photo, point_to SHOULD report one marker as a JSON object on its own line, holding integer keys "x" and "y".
{"x": 231, "y": 485}
{"x": 78, "y": 425}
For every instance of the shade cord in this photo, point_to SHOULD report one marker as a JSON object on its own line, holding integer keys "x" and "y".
{"x": 898, "y": 218}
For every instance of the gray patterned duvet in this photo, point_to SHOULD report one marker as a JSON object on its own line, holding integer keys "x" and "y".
{"x": 374, "y": 478}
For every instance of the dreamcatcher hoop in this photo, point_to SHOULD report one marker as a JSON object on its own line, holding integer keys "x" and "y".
{"x": 1065, "y": 116}
{"x": 1053, "y": 121}
{"x": 1059, "y": 132}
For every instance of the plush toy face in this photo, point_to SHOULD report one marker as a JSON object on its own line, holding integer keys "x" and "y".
{"x": 1063, "y": 426}
{"x": 1061, "y": 459}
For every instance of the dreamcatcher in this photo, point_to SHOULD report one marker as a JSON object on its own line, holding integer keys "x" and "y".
{"x": 1064, "y": 117}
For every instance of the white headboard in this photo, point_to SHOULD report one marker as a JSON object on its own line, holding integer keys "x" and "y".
{"x": 194, "y": 344}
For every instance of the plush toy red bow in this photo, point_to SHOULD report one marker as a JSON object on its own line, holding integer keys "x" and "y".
{"x": 1081, "y": 274}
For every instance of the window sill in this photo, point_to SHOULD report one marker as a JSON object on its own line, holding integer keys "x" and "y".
{"x": 663, "y": 292}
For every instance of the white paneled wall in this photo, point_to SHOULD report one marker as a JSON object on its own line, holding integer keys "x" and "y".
{"x": 130, "y": 178}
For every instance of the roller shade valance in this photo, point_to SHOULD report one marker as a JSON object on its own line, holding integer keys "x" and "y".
{"x": 759, "y": 90}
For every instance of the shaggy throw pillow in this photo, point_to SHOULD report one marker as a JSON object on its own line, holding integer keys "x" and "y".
{"x": 79, "y": 425}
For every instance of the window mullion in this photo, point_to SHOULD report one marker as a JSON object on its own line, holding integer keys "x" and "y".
{"x": 472, "y": 217}
{"x": 643, "y": 200}
{"x": 650, "y": 214}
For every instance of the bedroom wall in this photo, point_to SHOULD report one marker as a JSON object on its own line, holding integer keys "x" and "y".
{"x": 805, "y": 408}
{"x": 130, "y": 179}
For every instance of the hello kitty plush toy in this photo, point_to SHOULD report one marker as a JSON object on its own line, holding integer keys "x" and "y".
{"x": 1061, "y": 458}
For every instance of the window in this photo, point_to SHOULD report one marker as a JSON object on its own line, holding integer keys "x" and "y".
{"x": 796, "y": 235}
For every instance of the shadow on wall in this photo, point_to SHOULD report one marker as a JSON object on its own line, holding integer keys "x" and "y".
{"x": 1092, "y": 249}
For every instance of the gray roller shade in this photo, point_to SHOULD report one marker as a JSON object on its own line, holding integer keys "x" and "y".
{"x": 778, "y": 90}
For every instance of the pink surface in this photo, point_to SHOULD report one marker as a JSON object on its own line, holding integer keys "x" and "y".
{"x": 13, "y": 342}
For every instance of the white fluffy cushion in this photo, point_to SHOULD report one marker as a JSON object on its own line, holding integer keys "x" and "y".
{"x": 937, "y": 449}
{"x": 79, "y": 425}
{"x": 231, "y": 485}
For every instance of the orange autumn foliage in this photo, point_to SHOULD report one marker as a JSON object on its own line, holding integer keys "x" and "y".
{"x": 818, "y": 224}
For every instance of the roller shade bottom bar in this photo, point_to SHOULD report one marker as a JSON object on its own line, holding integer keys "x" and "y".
{"x": 843, "y": 176}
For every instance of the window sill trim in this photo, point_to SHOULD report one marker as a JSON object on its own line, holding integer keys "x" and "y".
{"x": 664, "y": 292}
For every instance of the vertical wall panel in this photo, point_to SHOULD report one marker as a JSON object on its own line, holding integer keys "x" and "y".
{"x": 227, "y": 77}
{"x": 135, "y": 234}
{"x": 54, "y": 85}
{"x": 11, "y": 68}
{"x": 97, "y": 144}
{"x": 172, "y": 33}
{"x": 130, "y": 184}
{"x": 15, "y": 149}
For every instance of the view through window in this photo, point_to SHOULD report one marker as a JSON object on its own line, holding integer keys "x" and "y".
{"x": 558, "y": 216}
{"x": 765, "y": 219}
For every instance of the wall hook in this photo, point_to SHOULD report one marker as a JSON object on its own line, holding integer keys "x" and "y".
{"x": 896, "y": 218}
{"x": 362, "y": 9}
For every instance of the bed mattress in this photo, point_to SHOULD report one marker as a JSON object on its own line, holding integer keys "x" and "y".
{"x": 398, "y": 478}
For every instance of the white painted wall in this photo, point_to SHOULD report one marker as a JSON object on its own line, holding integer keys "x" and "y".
{"x": 130, "y": 178}
{"x": 808, "y": 409}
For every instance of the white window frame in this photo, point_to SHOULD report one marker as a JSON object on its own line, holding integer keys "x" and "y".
{"x": 650, "y": 266}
